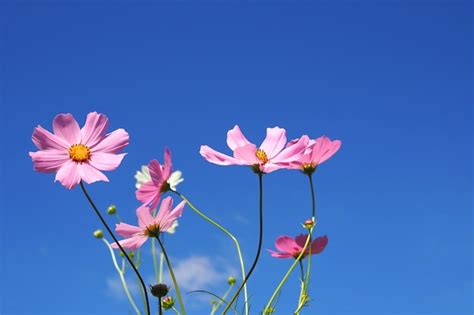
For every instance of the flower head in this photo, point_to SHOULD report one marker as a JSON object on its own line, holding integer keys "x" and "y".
{"x": 156, "y": 179}
{"x": 77, "y": 154}
{"x": 292, "y": 247}
{"x": 317, "y": 151}
{"x": 149, "y": 225}
{"x": 268, "y": 157}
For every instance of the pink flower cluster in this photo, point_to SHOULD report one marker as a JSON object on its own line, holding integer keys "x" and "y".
{"x": 81, "y": 154}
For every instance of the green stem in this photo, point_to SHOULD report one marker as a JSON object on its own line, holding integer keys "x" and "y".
{"x": 170, "y": 269}
{"x": 122, "y": 278}
{"x": 220, "y": 302}
{"x": 301, "y": 270}
{"x": 160, "y": 308}
{"x": 230, "y": 235}
{"x": 155, "y": 264}
{"x": 118, "y": 244}
{"x": 288, "y": 273}
{"x": 259, "y": 247}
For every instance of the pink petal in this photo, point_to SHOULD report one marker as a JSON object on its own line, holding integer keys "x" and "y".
{"x": 144, "y": 217}
{"x": 323, "y": 149}
{"x": 319, "y": 244}
{"x": 274, "y": 141}
{"x": 48, "y": 161}
{"x": 66, "y": 127}
{"x": 106, "y": 161}
{"x": 148, "y": 194}
{"x": 127, "y": 230}
{"x": 68, "y": 174}
{"x": 168, "y": 221}
{"x": 235, "y": 138}
{"x": 90, "y": 174}
{"x": 287, "y": 244}
{"x": 156, "y": 172}
{"x": 94, "y": 129}
{"x": 114, "y": 142}
{"x": 293, "y": 152}
{"x": 44, "y": 140}
{"x": 247, "y": 154}
{"x": 279, "y": 255}
{"x": 165, "y": 209}
{"x": 218, "y": 158}
{"x": 301, "y": 240}
{"x": 132, "y": 243}
{"x": 270, "y": 167}
{"x": 167, "y": 165}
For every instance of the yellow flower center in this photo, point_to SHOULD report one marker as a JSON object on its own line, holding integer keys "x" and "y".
{"x": 79, "y": 153}
{"x": 262, "y": 156}
{"x": 152, "y": 230}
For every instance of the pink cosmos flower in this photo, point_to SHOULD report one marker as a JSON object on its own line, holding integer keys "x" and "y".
{"x": 270, "y": 156}
{"x": 317, "y": 151}
{"x": 292, "y": 247}
{"x": 150, "y": 192}
{"x": 148, "y": 225}
{"x": 78, "y": 154}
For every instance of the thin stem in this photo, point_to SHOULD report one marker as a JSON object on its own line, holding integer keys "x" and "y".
{"x": 160, "y": 308}
{"x": 220, "y": 302}
{"x": 122, "y": 278}
{"x": 313, "y": 198}
{"x": 155, "y": 264}
{"x": 170, "y": 269}
{"x": 175, "y": 310}
{"x": 301, "y": 270}
{"x": 259, "y": 248}
{"x": 118, "y": 244}
{"x": 232, "y": 237}
{"x": 288, "y": 273}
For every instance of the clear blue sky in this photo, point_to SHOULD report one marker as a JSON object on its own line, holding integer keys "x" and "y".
{"x": 391, "y": 79}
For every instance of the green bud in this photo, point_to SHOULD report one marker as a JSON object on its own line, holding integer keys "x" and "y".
{"x": 269, "y": 310}
{"x": 167, "y": 302}
{"x": 98, "y": 234}
{"x": 130, "y": 254}
{"x": 112, "y": 209}
{"x": 308, "y": 224}
{"x": 231, "y": 280}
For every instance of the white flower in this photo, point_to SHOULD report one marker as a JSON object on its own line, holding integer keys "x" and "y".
{"x": 175, "y": 179}
{"x": 142, "y": 176}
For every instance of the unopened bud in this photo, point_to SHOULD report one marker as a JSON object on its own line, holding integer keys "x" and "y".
{"x": 308, "y": 224}
{"x": 98, "y": 234}
{"x": 269, "y": 310}
{"x": 167, "y": 302}
{"x": 231, "y": 280}
{"x": 112, "y": 209}
{"x": 159, "y": 290}
{"x": 130, "y": 254}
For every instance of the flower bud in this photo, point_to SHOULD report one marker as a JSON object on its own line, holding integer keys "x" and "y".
{"x": 112, "y": 209}
{"x": 130, "y": 254}
{"x": 269, "y": 310}
{"x": 231, "y": 280}
{"x": 167, "y": 302}
{"x": 308, "y": 224}
{"x": 98, "y": 234}
{"x": 159, "y": 290}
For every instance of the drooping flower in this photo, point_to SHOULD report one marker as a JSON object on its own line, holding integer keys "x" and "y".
{"x": 270, "y": 156}
{"x": 317, "y": 151}
{"x": 149, "y": 225}
{"x": 292, "y": 247}
{"x": 162, "y": 179}
{"x": 78, "y": 154}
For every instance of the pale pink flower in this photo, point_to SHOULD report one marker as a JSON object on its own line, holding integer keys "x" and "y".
{"x": 162, "y": 179}
{"x": 78, "y": 154}
{"x": 270, "y": 156}
{"x": 148, "y": 225}
{"x": 292, "y": 247}
{"x": 317, "y": 151}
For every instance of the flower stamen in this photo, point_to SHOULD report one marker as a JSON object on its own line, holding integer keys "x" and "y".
{"x": 79, "y": 153}
{"x": 262, "y": 156}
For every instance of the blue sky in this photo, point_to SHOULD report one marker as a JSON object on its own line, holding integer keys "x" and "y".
{"x": 392, "y": 80}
